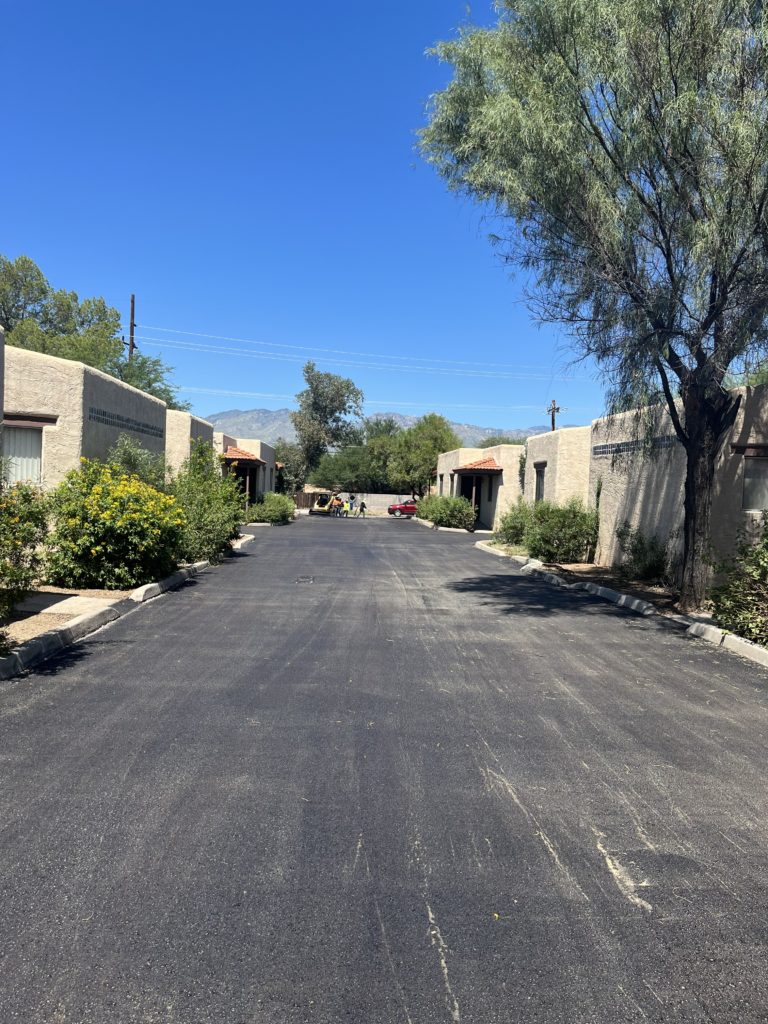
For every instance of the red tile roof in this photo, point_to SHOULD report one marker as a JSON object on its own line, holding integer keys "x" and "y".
{"x": 240, "y": 453}
{"x": 489, "y": 463}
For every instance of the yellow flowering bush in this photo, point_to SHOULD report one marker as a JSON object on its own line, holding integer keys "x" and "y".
{"x": 22, "y": 530}
{"x": 111, "y": 530}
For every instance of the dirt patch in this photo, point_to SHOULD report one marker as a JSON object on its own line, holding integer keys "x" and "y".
{"x": 31, "y": 626}
{"x": 664, "y": 598}
{"x": 24, "y": 625}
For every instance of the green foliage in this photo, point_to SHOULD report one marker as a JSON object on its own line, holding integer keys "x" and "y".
{"x": 323, "y": 417}
{"x": 132, "y": 459}
{"x": 741, "y": 600}
{"x": 645, "y": 558}
{"x": 212, "y": 503}
{"x": 442, "y": 511}
{"x": 413, "y": 457}
{"x": 111, "y": 530}
{"x": 272, "y": 508}
{"x": 494, "y": 439}
{"x": 561, "y": 533}
{"x": 626, "y": 143}
{"x": 58, "y": 323}
{"x": 294, "y": 472}
{"x": 514, "y": 523}
{"x": 23, "y": 518}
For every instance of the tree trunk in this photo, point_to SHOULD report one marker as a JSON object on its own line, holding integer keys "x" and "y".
{"x": 707, "y": 421}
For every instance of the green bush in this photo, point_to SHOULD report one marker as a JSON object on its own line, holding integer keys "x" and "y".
{"x": 454, "y": 512}
{"x": 272, "y": 508}
{"x": 23, "y": 519}
{"x": 213, "y": 505}
{"x": 741, "y": 601}
{"x": 111, "y": 530}
{"x": 561, "y": 533}
{"x": 645, "y": 558}
{"x": 132, "y": 459}
{"x": 514, "y": 523}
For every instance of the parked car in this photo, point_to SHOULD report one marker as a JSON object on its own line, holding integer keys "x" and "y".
{"x": 322, "y": 505}
{"x": 403, "y": 508}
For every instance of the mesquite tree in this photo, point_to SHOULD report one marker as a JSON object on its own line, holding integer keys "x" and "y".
{"x": 627, "y": 144}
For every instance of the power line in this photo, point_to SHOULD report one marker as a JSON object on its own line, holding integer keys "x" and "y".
{"x": 368, "y": 401}
{"x": 340, "y": 351}
{"x": 191, "y": 346}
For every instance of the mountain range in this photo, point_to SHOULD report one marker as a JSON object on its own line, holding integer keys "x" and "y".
{"x": 269, "y": 424}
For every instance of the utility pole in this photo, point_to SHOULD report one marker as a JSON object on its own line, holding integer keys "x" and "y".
{"x": 131, "y": 344}
{"x": 553, "y": 410}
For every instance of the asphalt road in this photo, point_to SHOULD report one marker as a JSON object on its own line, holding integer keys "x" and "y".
{"x": 364, "y": 772}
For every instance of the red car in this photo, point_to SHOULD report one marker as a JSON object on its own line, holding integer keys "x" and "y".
{"x": 403, "y": 508}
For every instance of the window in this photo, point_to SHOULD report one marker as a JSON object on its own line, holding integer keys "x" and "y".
{"x": 271, "y": 479}
{"x": 23, "y": 447}
{"x": 755, "y": 494}
{"x": 539, "y": 467}
{"x": 451, "y": 487}
{"x": 440, "y": 490}
{"x": 490, "y": 488}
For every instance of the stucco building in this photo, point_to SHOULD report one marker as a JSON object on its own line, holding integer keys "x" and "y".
{"x": 58, "y": 410}
{"x": 182, "y": 429}
{"x": 490, "y": 478}
{"x": 557, "y": 465}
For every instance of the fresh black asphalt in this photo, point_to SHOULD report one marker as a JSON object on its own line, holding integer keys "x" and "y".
{"x": 363, "y": 772}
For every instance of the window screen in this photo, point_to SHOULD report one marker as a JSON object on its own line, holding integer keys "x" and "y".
{"x": 755, "y": 484}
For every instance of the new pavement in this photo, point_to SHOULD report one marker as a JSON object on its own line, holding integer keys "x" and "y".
{"x": 363, "y": 772}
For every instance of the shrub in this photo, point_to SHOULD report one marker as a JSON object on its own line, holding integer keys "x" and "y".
{"x": 561, "y": 533}
{"x": 111, "y": 530}
{"x": 741, "y": 601}
{"x": 645, "y": 558}
{"x": 513, "y": 523}
{"x": 213, "y": 505}
{"x": 23, "y": 517}
{"x": 132, "y": 459}
{"x": 454, "y": 512}
{"x": 272, "y": 508}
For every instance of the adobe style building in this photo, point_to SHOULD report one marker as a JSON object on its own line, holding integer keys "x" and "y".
{"x": 489, "y": 478}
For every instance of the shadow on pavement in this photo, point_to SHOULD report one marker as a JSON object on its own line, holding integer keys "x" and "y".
{"x": 512, "y": 595}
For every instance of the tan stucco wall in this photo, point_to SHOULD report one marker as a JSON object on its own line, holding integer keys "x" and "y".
{"x": 111, "y": 408}
{"x": 566, "y": 455}
{"x": 181, "y": 429}
{"x": 506, "y": 485}
{"x": 43, "y": 385}
{"x": 223, "y": 441}
{"x": 264, "y": 451}
{"x": 2, "y": 384}
{"x": 647, "y": 492}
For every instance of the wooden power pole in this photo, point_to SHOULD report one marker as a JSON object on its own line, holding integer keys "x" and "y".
{"x": 553, "y": 410}
{"x": 132, "y": 324}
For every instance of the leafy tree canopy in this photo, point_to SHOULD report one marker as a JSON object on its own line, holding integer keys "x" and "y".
{"x": 494, "y": 439}
{"x": 627, "y": 144}
{"x": 57, "y": 322}
{"x": 294, "y": 471}
{"x": 414, "y": 456}
{"x": 323, "y": 419}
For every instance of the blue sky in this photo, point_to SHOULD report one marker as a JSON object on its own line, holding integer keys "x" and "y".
{"x": 249, "y": 171}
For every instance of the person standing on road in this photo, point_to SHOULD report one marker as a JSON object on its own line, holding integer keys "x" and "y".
{"x": 360, "y": 510}
{"x": 352, "y": 500}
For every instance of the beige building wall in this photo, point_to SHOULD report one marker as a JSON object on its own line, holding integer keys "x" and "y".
{"x": 181, "y": 430}
{"x": 82, "y": 412}
{"x": 40, "y": 386}
{"x": 494, "y": 499}
{"x": 111, "y": 408}
{"x": 647, "y": 491}
{"x": 2, "y": 384}
{"x": 262, "y": 450}
{"x": 563, "y": 457}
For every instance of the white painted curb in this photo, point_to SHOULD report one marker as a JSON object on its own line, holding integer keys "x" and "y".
{"x": 38, "y": 648}
{"x": 703, "y": 630}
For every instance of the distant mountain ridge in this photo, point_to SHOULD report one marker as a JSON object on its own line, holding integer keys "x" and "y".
{"x": 269, "y": 424}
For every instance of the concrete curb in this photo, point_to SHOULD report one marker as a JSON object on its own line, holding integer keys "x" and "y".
{"x": 41, "y": 647}
{"x": 693, "y": 626}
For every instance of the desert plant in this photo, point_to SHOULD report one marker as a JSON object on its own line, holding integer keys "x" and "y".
{"x": 213, "y": 505}
{"x": 132, "y": 459}
{"x": 645, "y": 558}
{"x": 272, "y": 508}
{"x": 561, "y": 533}
{"x": 741, "y": 600}
{"x": 451, "y": 512}
{"x": 23, "y": 516}
{"x": 111, "y": 530}
{"x": 513, "y": 523}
